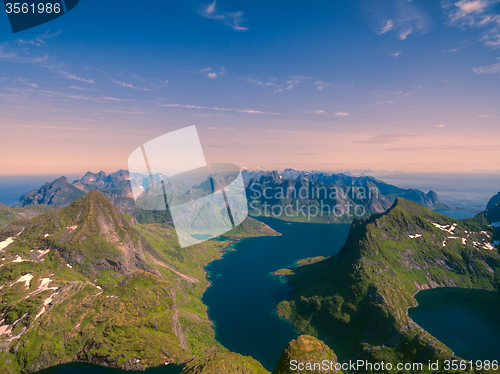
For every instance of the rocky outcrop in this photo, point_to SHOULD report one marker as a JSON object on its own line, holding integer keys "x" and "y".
{"x": 307, "y": 354}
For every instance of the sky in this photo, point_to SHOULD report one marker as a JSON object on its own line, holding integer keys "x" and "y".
{"x": 325, "y": 85}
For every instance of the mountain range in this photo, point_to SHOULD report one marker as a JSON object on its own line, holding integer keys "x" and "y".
{"x": 323, "y": 190}
{"x": 330, "y": 197}
{"x": 86, "y": 282}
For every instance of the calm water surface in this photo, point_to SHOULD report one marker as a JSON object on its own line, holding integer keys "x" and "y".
{"x": 457, "y": 213}
{"x": 244, "y": 293}
{"x": 465, "y": 320}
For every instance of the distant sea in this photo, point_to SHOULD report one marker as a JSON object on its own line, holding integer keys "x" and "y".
{"x": 12, "y": 187}
{"x": 468, "y": 191}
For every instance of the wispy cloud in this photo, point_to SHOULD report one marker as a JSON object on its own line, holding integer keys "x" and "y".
{"x": 409, "y": 93}
{"x": 295, "y": 80}
{"x": 39, "y": 40}
{"x": 57, "y": 127}
{"x": 286, "y": 131}
{"x": 338, "y": 114}
{"x": 220, "y": 109}
{"x": 211, "y": 72}
{"x": 81, "y": 88}
{"x": 221, "y": 128}
{"x": 6, "y": 53}
{"x": 315, "y": 112}
{"x": 451, "y": 50}
{"x": 488, "y": 69}
{"x": 481, "y": 14}
{"x": 401, "y": 16}
{"x": 27, "y": 83}
{"x": 271, "y": 83}
{"x": 290, "y": 83}
{"x": 385, "y": 138}
{"x": 98, "y": 99}
{"x": 67, "y": 75}
{"x": 320, "y": 85}
{"x": 395, "y": 54}
{"x": 232, "y": 19}
{"x": 465, "y": 148}
{"x": 488, "y": 116}
{"x": 129, "y": 85}
{"x": 390, "y": 97}
{"x": 389, "y": 25}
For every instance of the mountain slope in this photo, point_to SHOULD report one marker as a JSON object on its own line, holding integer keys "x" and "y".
{"x": 8, "y": 214}
{"x": 90, "y": 234}
{"x": 59, "y": 192}
{"x": 224, "y": 363}
{"x": 357, "y": 301}
{"x": 308, "y": 352}
{"x": 492, "y": 212}
{"x": 83, "y": 283}
{"x": 321, "y": 197}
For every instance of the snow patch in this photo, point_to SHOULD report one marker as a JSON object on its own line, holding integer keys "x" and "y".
{"x": 43, "y": 253}
{"x": 488, "y": 246}
{"x": 46, "y": 235}
{"x": 26, "y": 279}
{"x": 415, "y": 236}
{"x": 68, "y": 265}
{"x": 6, "y": 243}
{"x": 46, "y": 302}
{"x": 71, "y": 228}
{"x": 447, "y": 228}
{"x": 19, "y": 259}
{"x": 5, "y": 329}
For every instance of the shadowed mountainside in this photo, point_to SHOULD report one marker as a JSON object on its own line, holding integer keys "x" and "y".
{"x": 87, "y": 283}
{"x": 357, "y": 301}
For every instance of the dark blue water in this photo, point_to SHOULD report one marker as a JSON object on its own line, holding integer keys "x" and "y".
{"x": 465, "y": 320}
{"x": 457, "y": 213}
{"x": 244, "y": 293}
{"x": 12, "y": 187}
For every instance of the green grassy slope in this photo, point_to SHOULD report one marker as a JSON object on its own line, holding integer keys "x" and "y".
{"x": 357, "y": 301}
{"x": 9, "y": 215}
{"x": 86, "y": 283}
{"x": 225, "y": 363}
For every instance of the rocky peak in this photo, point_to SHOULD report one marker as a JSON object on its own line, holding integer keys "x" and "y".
{"x": 90, "y": 177}
{"x": 305, "y": 349}
{"x": 493, "y": 209}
